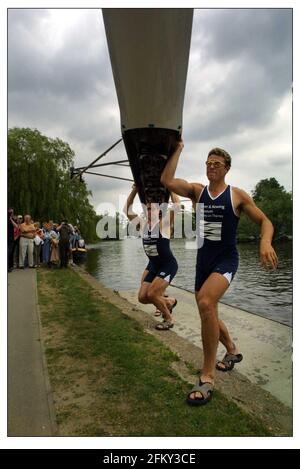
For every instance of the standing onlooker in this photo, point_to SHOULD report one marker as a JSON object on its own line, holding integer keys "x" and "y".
{"x": 77, "y": 236}
{"x": 65, "y": 232}
{"x": 54, "y": 245}
{"x": 38, "y": 241}
{"x": 17, "y": 233}
{"x": 27, "y": 230}
{"x": 73, "y": 237}
{"x": 46, "y": 247}
{"x": 11, "y": 225}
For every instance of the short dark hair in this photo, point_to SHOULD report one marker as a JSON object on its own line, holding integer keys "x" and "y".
{"x": 220, "y": 152}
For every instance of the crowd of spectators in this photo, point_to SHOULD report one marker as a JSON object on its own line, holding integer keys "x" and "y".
{"x": 32, "y": 243}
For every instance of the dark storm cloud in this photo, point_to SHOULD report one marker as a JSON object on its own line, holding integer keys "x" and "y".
{"x": 68, "y": 83}
{"x": 253, "y": 51}
{"x": 260, "y": 33}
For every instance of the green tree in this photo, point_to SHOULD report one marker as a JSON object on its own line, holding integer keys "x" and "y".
{"x": 276, "y": 203}
{"x": 39, "y": 181}
{"x": 267, "y": 188}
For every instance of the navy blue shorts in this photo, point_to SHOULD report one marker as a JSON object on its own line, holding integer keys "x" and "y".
{"x": 166, "y": 270}
{"x": 225, "y": 264}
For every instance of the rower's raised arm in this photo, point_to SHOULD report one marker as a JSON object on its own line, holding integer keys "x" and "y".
{"x": 180, "y": 186}
{"x": 129, "y": 202}
{"x": 174, "y": 198}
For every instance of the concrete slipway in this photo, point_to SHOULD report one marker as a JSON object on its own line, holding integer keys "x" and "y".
{"x": 266, "y": 345}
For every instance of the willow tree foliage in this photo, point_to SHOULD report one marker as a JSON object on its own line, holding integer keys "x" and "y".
{"x": 39, "y": 181}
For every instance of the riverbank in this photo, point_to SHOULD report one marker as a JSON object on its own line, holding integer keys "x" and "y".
{"x": 113, "y": 375}
{"x": 266, "y": 345}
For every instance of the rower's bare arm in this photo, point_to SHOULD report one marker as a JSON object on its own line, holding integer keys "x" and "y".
{"x": 180, "y": 186}
{"x": 131, "y": 215}
{"x": 176, "y": 201}
{"x": 248, "y": 206}
{"x": 185, "y": 188}
{"x": 175, "y": 208}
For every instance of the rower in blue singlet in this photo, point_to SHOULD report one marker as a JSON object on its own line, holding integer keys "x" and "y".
{"x": 162, "y": 265}
{"x": 216, "y": 236}
{"x": 162, "y": 262}
{"x": 217, "y": 257}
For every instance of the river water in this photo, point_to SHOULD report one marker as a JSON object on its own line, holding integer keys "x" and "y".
{"x": 119, "y": 265}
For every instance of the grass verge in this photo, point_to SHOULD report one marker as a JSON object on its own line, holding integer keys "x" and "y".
{"x": 110, "y": 378}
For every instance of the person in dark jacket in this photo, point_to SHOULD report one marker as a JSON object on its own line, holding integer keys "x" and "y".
{"x": 65, "y": 232}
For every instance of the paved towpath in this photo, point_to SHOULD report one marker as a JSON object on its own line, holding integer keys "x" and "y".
{"x": 30, "y": 408}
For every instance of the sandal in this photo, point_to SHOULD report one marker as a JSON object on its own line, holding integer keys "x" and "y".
{"x": 229, "y": 361}
{"x": 158, "y": 313}
{"x": 173, "y": 306}
{"x": 164, "y": 326}
{"x": 206, "y": 389}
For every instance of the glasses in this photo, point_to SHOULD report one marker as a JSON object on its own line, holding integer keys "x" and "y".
{"x": 214, "y": 164}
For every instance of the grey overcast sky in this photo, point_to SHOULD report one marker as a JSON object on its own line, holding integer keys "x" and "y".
{"x": 238, "y": 91}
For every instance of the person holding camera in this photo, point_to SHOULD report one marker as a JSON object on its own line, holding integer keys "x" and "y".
{"x": 11, "y": 226}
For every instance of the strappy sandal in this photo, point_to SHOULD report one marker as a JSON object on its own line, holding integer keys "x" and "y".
{"x": 229, "y": 361}
{"x": 164, "y": 326}
{"x": 173, "y": 306}
{"x": 206, "y": 389}
{"x": 158, "y": 313}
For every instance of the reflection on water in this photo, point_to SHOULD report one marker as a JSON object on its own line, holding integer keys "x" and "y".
{"x": 119, "y": 265}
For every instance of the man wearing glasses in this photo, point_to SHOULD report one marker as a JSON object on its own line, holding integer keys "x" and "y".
{"x": 217, "y": 257}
